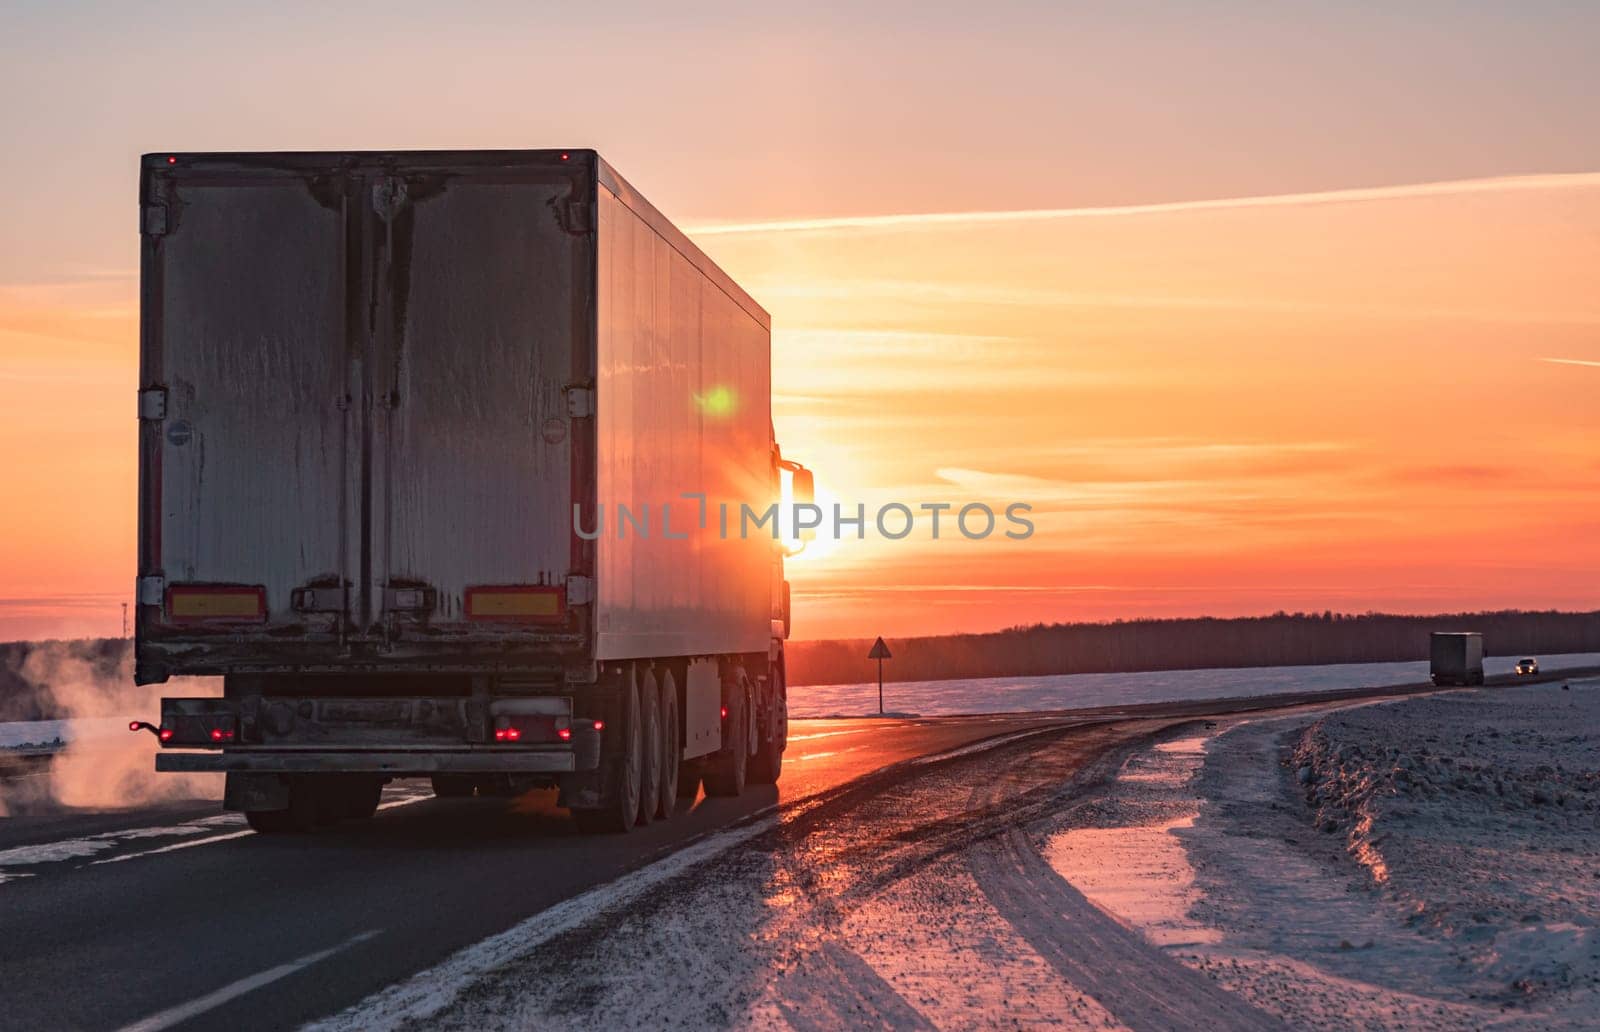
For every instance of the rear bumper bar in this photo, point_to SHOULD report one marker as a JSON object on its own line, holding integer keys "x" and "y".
{"x": 394, "y": 764}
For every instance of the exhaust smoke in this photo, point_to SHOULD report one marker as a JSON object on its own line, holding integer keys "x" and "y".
{"x": 103, "y": 766}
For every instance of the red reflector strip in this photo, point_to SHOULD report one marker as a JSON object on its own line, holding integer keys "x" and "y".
{"x": 517, "y": 603}
{"x": 203, "y": 603}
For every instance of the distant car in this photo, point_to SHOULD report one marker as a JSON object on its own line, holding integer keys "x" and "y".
{"x": 1527, "y": 665}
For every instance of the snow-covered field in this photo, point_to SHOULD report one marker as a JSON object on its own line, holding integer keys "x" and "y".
{"x": 1072, "y": 691}
{"x": 1433, "y": 862}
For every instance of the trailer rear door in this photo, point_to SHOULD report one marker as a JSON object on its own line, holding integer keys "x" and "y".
{"x": 245, "y": 432}
{"x": 365, "y": 391}
{"x": 486, "y": 291}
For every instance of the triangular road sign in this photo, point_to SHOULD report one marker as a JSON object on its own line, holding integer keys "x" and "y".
{"x": 879, "y": 651}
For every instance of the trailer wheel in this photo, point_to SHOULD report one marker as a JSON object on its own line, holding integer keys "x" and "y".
{"x": 767, "y": 763}
{"x": 726, "y": 775}
{"x": 671, "y": 746}
{"x": 650, "y": 746}
{"x": 451, "y": 786}
{"x": 622, "y": 802}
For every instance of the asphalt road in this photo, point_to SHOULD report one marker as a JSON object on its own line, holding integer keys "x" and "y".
{"x": 110, "y": 919}
{"x": 178, "y": 916}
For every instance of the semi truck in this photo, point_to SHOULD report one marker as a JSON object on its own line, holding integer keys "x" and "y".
{"x": 1456, "y": 657}
{"x": 436, "y": 456}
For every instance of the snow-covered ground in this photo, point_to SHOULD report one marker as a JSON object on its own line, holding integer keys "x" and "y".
{"x": 1073, "y": 691}
{"x": 1433, "y": 862}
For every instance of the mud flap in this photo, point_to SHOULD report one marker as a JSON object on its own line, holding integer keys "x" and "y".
{"x": 583, "y": 789}
{"x": 249, "y": 792}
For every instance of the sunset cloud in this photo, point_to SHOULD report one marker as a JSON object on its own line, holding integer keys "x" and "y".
{"x": 917, "y": 220}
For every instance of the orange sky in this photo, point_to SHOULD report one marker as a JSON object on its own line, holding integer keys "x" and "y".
{"x": 1293, "y": 400}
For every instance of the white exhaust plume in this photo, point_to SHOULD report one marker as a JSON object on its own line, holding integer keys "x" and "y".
{"x": 103, "y": 766}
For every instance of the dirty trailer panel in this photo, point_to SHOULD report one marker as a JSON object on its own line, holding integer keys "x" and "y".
{"x": 355, "y": 374}
{"x": 684, "y": 409}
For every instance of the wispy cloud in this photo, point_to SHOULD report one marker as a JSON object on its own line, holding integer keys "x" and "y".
{"x": 917, "y": 220}
{"x": 1573, "y": 361}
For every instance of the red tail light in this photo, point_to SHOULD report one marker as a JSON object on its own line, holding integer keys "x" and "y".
{"x": 599, "y": 725}
{"x": 564, "y": 733}
{"x": 166, "y": 734}
{"x": 724, "y": 713}
{"x": 507, "y": 734}
{"x": 220, "y": 735}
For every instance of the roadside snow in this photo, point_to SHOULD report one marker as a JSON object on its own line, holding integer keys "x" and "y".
{"x": 1431, "y": 862}
{"x": 1075, "y": 691}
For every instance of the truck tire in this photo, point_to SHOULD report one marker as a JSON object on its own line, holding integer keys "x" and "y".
{"x": 671, "y": 745}
{"x": 302, "y": 814}
{"x": 650, "y": 745}
{"x": 451, "y": 786}
{"x": 360, "y": 797}
{"x": 622, "y": 802}
{"x": 726, "y": 775}
{"x": 767, "y": 764}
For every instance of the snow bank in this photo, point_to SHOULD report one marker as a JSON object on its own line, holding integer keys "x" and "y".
{"x": 1477, "y": 815}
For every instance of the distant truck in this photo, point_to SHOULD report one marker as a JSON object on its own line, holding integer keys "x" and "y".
{"x": 409, "y": 425}
{"x": 1456, "y": 657}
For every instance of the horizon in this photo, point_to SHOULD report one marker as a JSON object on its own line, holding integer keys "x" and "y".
{"x": 1325, "y": 345}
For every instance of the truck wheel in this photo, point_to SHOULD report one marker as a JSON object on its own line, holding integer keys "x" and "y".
{"x": 361, "y": 797}
{"x": 727, "y": 773}
{"x": 650, "y": 746}
{"x": 622, "y": 804}
{"x": 767, "y": 763}
{"x": 451, "y": 786}
{"x": 302, "y": 814}
{"x": 671, "y": 746}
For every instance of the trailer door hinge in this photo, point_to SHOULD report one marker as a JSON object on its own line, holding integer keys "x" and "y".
{"x": 152, "y": 590}
{"x": 153, "y": 403}
{"x": 580, "y": 402}
{"x": 580, "y": 590}
{"x": 155, "y": 220}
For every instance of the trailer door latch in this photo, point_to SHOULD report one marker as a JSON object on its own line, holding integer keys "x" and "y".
{"x": 153, "y": 403}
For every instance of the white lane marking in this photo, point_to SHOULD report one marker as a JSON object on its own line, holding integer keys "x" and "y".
{"x": 426, "y": 993}
{"x": 407, "y": 801}
{"x": 987, "y": 743}
{"x": 832, "y": 734}
{"x": 190, "y": 844}
{"x": 88, "y": 845}
{"x": 185, "y": 1011}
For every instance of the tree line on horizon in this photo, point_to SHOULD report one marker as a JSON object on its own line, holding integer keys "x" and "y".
{"x": 1187, "y": 643}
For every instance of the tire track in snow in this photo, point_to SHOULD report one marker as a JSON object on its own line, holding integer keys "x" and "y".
{"x": 1132, "y": 979}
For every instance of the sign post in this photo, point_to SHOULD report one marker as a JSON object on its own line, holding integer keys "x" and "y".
{"x": 880, "y": 652}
